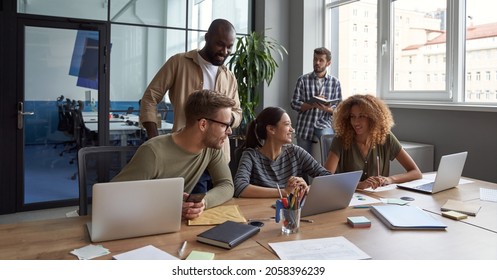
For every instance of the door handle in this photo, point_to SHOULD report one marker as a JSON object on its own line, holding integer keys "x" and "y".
{"x": 21, "y": 114}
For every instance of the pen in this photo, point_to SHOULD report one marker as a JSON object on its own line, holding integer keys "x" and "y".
{"x": 302, "y": 220}
{"x": 361, "y": 206}
{"x": 378, "y": 164}
{"x": 181, "y": 250}
{"x": 261, "y": 219}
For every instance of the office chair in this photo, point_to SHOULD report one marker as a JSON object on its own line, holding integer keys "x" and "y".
{"x": 325, "y": 143}
{"x": 99, "y": 164}
{"x": 63, "y": 134}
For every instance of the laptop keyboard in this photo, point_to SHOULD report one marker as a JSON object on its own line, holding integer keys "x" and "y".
{"x": 425, "y": 187}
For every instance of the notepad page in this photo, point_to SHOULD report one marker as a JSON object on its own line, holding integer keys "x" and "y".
{"x": 488, "y": 194}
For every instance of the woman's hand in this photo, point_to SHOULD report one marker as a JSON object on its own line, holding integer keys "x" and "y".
{"x": 296, "y": 182}
{"x": 374, "y": 182}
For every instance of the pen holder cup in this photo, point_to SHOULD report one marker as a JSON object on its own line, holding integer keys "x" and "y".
{"x": 291, "y": 220}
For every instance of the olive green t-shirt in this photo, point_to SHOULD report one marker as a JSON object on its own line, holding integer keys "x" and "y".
{"x": 352, "y": 159}
{"x": 160, "y": 158}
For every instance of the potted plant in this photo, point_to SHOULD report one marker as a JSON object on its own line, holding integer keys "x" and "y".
{"x": 252, "y": 63}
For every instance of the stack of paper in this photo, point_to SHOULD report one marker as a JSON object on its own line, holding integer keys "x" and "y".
{"x": 461, "y": 207}
{"x": 90, "y": 251}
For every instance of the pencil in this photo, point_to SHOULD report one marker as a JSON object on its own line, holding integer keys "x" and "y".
{"x": 278, "y": 186}
{"x": 378, "y": 164}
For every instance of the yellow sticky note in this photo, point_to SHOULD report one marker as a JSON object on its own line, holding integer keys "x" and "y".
{"x": 454, "y": 215}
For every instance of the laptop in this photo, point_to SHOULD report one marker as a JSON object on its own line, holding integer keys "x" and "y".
{"x": 135, "y": 208}
{"x": 330, "y": 192}
{"x": 447, "y": 177}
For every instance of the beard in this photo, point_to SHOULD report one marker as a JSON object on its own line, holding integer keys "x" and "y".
{"x": 216, "y": 59}
{"x": 214, "y": 142}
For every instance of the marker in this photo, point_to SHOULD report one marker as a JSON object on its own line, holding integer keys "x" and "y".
{"x": 361, "y": 206}
{"x": 307, "y": 221}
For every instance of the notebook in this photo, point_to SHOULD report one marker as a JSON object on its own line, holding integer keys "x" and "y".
{"x": 406, "y": 217}
{"x": 330, "y": 192}
{"x": 228, "y": 234}
{"x": 135, "y": 208}
{"x": 447, "y": 177}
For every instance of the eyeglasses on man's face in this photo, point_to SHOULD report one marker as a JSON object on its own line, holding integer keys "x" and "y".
{"x": 227, "y": 125}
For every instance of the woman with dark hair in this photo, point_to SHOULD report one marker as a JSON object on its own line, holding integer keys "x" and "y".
{"x": 363, "y": 141}
{"x": 270, "y": 160}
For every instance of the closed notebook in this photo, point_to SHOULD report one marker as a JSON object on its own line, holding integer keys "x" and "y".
{"x": 406, "y": 217}
{"x": 228, "y": 234}
{"x": 461, "y": 207}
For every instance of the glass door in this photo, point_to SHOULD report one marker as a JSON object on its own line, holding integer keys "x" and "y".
{"x": 60, "y": 75}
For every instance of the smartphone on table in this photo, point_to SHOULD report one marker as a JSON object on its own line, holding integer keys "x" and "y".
{"x": 195, "y": 197}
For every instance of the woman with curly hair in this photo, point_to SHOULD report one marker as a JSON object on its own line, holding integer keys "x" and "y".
{"x": 363, "y": 141}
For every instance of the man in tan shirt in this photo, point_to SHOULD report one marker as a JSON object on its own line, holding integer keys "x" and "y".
{"x": 184, "y": 73}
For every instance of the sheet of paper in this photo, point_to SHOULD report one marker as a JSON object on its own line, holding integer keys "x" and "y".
{"x": 488, "y": 194}
{"x": 394, "y": 201}
{"x": 361, "y": 199}
{"x": 148, "y": 252}
{"x": 219, "y": 215}
{"x": 332, "y": 248}
{"x": 382, "y": 189}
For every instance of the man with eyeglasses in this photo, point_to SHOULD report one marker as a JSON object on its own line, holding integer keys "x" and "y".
{"x": 190, "y": 151}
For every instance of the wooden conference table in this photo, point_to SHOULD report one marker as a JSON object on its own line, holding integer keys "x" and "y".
{"x": 473, "y": 238}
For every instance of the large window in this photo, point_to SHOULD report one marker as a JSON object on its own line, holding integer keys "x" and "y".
{"x": 426, "y": 50}
{"x": 351, "y": 37}
{"x": 145, "y": 33}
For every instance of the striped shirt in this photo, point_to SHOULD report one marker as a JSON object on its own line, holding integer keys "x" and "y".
{"x": 256, "y": 169}
{"x": 307, "y": 87}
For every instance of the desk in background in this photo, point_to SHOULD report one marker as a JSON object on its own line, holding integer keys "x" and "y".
{"x": 472, "y": 239}
{"x": 119, "y": 126}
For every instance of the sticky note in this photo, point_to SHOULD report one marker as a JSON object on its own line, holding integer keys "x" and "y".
{"x": 199, "y": 255}
{"x": 454, "y": 215}
{"x": 358, "y": 221}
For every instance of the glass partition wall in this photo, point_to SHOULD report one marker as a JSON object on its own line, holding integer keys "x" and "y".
{"x": 143, "y": 35}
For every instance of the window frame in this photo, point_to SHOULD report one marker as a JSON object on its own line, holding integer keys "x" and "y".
{"x": 455, "y": 52}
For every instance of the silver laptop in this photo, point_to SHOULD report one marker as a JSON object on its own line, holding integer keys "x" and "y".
{"x": 447, "y": 177}
{"x": 330, "y": 192}
{"x": 135, "y": 208}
